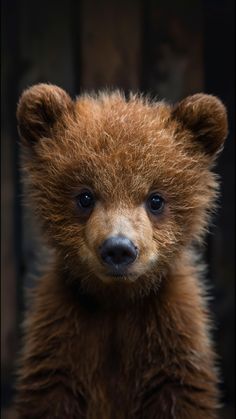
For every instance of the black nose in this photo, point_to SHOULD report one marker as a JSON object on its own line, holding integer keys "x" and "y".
{"x": 118, "y": 252}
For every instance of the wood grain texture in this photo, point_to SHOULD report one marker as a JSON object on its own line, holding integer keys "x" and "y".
{"x": 172, "y": 49}
{"x": 111, "y": 44}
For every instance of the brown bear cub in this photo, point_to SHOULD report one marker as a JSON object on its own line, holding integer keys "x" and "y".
{"x": 119, "y": 327}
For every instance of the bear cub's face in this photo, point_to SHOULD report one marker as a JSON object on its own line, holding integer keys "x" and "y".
{"x": 120, "y": 186}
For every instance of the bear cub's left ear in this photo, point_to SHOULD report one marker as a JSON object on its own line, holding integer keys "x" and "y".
{"x": 206, "y": 117}
{"x": 39, "y": 109}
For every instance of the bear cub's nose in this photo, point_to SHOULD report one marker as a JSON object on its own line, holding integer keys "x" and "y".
{"x": 118, "y": 252}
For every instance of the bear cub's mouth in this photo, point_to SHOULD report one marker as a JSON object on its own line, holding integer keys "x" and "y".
{"x": 119, "y": 274}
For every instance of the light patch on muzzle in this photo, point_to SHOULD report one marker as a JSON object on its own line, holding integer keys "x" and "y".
{"x": 122, "y": 226}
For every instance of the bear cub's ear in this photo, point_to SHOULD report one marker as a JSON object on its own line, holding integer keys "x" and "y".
{"x": 39, "y": 108}
{"x": 205, "y": 116}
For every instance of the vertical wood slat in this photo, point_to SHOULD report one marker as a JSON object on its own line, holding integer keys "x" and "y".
{"x": 46, "y": 45}
{"x": 172, "y": 49}
{"x": 110, "y": 44}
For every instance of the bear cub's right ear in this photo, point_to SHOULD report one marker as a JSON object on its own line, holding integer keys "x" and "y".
{"x": 39, "y": 109}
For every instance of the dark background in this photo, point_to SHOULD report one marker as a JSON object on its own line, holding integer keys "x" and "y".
{"x": 167, "y": 48}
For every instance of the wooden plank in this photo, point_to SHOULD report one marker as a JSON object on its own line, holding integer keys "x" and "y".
{"x": 46, "y": 46}
{"x": 172, "y": 49}
{"x": 110, "y": 44}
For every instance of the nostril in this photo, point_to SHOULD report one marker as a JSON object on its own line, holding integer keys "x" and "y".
{"x": 119, "y": 251}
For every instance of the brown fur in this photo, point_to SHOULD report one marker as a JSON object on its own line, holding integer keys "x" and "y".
{"x": 137, "y": 347}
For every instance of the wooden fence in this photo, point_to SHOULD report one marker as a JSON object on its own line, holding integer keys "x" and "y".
{"x": 167, "y": 48}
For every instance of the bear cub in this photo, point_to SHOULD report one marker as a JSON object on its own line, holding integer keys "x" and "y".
{"x": 118, "y": 327}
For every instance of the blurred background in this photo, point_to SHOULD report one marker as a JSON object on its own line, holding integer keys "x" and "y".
{"x": 169, "y": 49}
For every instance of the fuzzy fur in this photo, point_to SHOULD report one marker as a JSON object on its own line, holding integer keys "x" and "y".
{"x": 137, "y": 347}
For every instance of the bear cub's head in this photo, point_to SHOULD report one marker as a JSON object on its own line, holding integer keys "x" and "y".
{"x": 121, "y": 186}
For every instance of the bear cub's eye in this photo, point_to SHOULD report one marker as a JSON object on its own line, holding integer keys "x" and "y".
{"x": 85, "y": 201}
{"x": 155, "y": 203}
